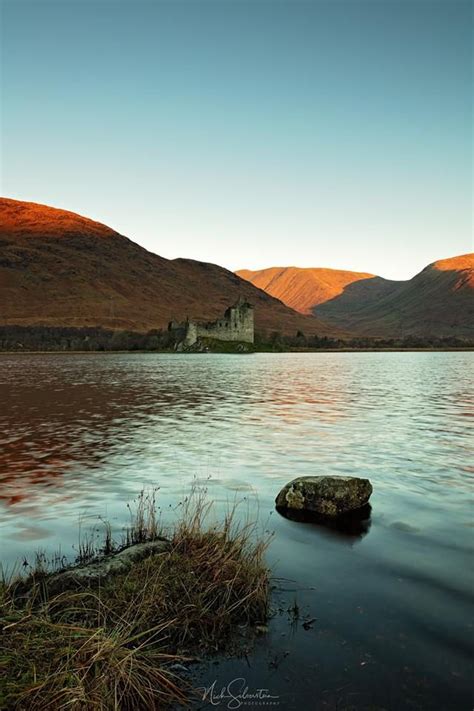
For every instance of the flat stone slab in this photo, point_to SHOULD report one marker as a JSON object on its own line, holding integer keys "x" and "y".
{"x": 329, "y": 496}
{"x": 120, "y": 562}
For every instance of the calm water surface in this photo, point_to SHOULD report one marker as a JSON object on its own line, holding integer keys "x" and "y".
{"x": 80, "y": 435}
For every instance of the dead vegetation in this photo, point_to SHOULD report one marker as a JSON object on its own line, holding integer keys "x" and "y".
{"x": 114, "y": 644}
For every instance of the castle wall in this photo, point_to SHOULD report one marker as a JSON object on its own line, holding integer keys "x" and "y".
{"x": 229, "y": 329}
{"x": 236, "y": 325}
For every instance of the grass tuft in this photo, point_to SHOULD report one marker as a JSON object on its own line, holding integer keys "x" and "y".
{"x": 111, "y": 644}
{"x": 144, "y": 524}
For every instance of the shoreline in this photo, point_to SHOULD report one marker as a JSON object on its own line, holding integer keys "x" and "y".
{"x": 119, "y": 609}
{"x": 256, "y": 352}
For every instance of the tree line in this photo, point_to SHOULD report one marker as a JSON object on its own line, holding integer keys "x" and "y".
{"x": 63, "y": 338}
{"x": 59, "y": 338}
{"x": 280, "y": 342}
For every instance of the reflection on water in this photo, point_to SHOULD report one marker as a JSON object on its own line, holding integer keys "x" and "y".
{"x": 81, "y": 434}
{"x": 353, "y": 525}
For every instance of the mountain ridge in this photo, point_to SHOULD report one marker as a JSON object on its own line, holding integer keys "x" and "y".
{"x": 302, "y": 288}
{"x": 437, "y": 301}
{"x": 58, "y": 268}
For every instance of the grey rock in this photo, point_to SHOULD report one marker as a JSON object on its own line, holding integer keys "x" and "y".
{"x": 328, "y": 496}
{"x": 110, "y": 565}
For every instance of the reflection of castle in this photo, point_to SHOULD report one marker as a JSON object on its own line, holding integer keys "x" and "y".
{"x": 236, "y": 325}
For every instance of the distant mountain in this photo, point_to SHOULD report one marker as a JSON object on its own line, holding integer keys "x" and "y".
{"x": 302, "y": 289}
{"x": 60, "y": 269}
{"x": 439, "y": 301}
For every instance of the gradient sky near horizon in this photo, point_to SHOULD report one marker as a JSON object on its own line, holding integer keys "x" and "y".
{"x": 333, "y": 133}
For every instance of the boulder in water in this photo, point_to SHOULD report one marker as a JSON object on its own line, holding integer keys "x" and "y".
{"x": 329, "y": 496}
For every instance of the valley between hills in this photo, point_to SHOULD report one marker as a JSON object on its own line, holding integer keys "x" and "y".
{"x": 59, "y": 269}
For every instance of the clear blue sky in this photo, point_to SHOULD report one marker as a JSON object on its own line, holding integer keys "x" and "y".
{"x": 325, "y": 133}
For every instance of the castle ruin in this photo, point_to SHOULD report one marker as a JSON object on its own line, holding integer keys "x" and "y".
{"x": 237, "y": 324}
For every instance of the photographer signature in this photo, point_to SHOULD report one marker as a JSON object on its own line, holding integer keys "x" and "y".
{"x": 236, "y": 694}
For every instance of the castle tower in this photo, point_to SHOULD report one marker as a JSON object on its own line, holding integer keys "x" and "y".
{"x": 236, "y": 325}
{"x": 241, "y": 320}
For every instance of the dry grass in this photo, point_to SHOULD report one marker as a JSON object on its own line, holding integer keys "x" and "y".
{"x": 52, "y": 665}
{"x": 112, "y": 645}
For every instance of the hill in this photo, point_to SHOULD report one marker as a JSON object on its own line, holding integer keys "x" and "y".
{"x": 302, "y": 289}
{"x": 439, "y": 301}
{"x": 60, "y": 269}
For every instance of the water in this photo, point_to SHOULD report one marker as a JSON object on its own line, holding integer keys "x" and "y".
{"x": 80, "y": 435}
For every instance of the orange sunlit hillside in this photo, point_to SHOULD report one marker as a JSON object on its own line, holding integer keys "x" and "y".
{"x": 60, "y": 269}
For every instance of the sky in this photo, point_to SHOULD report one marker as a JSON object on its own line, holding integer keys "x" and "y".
{"x": 322, "y": 133}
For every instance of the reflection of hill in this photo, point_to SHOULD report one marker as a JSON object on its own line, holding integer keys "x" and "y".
{"x": 57, "y": 436}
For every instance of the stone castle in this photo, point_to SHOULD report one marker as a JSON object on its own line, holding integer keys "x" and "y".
{"x": 237, "y": 324}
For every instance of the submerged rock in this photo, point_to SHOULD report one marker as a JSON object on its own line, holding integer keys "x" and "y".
{"x": 329, "y": 496}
